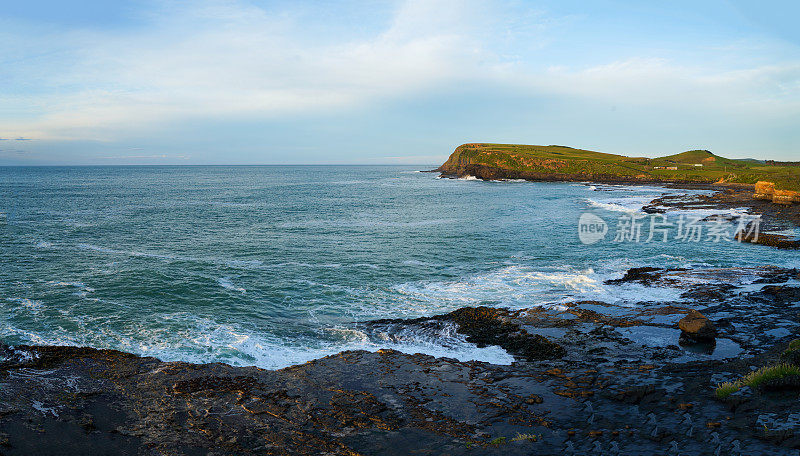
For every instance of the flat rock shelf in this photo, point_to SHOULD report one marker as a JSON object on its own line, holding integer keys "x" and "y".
{"x": 590, "y": 377}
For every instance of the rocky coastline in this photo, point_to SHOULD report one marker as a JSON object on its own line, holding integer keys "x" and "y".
{"x": 490, "y": 173}
{"x": 589, "y": 378}
{"x": 773, "y": 217}
{"x": 778, "y": 214}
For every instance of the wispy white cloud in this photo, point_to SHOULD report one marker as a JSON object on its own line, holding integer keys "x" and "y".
{"x": 663, "y": 83}
{"x": 127, "y": 158}
{"x": 225, "y": 60}
{"x": 230, "y": 59}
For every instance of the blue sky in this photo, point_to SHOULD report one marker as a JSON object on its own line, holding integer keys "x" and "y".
{"x": 258, "y": 82}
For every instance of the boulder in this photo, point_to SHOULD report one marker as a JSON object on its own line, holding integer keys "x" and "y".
{"x": 767, "y": 191}
{"x": 644, "y": 275}
{"x": 765, "y": 187}
{"x": 696, "y": 327}
{"x": 785, "y": 197}
{"x": 764, "y": 190}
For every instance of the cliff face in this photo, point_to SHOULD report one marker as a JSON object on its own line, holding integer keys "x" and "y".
{"x": 767, "y": 191}
{"x": 536, "y": 163}
{"x": 560, "y": 163}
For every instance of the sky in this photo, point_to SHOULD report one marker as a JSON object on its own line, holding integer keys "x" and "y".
{"x": 392, "y": 82}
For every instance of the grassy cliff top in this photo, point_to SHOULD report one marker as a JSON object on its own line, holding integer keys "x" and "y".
{"x": 692, "y": 166}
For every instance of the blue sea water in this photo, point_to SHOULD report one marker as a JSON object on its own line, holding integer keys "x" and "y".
{"x": 276, "y": 265}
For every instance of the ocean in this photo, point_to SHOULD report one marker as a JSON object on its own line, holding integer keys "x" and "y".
{"x": 277, "y": 265}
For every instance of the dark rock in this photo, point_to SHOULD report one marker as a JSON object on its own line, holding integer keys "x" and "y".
{"x": 636, "y": 394}
{"x": 778, "y": 275}
{"x": 742, "y": 393}
{"x": 612, "y": 379}
{"x": 696, "y": 327}
{"x": 791, "y": 356}
{"x": 652, "y": 209}
{"x": 720, "y": 218}
{"x": 709, "y": 292}
{"x": 643, "y": 275}
{"x": 781, "y": 293}
{"x": 773, "y": 240}
{"x": 534, "y": 399}
{"x": 485, "y": 326}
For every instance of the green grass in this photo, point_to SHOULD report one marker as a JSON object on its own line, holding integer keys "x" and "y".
{"x": 757, "y": 378}
{"x": 497, "y": 441}
{"x": 568, "y": 160}
{"x": 526, "y": 437}
{"x": 726, "y": 389}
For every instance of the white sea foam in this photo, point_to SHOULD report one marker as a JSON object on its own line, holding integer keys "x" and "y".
{"x": 133, "y": 253}
{"x": 244, "y": 263}
{"x": 518, "y": 286}
{"x": 703, "y": 212}
{"x": 189, "y": 337}
{"x": 44, "y": 245}
{"x": 613, "y": 207}
{"x": 197, "y": 339}
{"x": 791, "y": 232}
{"x": 83, "y": 290}
{"x": 170, "y": 257}
{"x": 348, "y": 182}
{"x": 635, "y": 201}
{"x": 421, "y": 263}
{"x": 629, "y": 204}
{"x": 66, "y": 284}
{"x": 306, "y": 265}
{"x": 31, "y": 305}
{"x": 98, "y": 248}
{"x": 225, "y": 282}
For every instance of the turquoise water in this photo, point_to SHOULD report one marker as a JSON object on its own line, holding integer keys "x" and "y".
{"x": 276, "y": 265}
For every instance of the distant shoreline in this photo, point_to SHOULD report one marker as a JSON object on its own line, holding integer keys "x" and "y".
{"x": 560, "y": 163}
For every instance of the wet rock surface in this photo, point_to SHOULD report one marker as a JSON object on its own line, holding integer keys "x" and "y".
{"x": 485, "y": 326}
{"x": 590, "y": 377}
{"x": 695, "y": 327}
{"x": 773, "y": 216}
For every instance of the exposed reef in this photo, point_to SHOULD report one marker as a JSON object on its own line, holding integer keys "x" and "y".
{"x": 773, "y": 218}
{"x": 590, "y": 377}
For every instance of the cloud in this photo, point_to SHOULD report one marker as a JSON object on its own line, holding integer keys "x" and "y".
{"x": 223, "y": 59}
{"x": 229, "y": 60}
{"x": 660, "y": 82}
{"x": 145, "y": 157}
